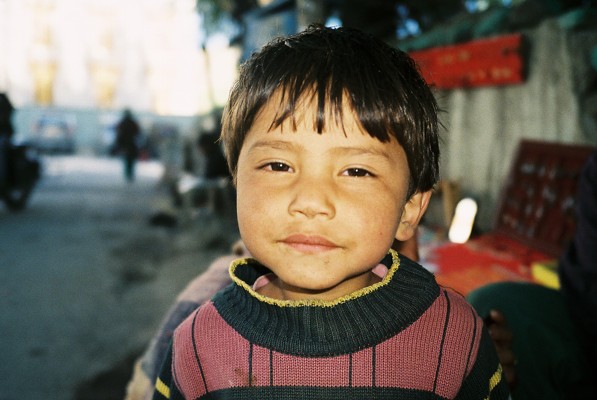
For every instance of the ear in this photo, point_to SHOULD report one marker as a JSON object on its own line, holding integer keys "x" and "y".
{"x": 411, "y": 215}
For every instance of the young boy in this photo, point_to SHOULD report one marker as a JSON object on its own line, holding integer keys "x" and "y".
{"x": 331, "y": 138}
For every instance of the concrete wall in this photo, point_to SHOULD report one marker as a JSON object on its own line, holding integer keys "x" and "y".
{"x": 485, "y": 125}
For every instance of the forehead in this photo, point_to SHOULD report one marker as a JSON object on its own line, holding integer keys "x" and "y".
{"x": 278, "y": 114}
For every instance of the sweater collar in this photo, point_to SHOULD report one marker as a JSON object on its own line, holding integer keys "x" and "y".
{"x": 325, "y": 328}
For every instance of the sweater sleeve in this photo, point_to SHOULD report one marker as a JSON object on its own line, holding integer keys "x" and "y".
{"x": 486, "y": 378}
{"x": 164, "y": 387}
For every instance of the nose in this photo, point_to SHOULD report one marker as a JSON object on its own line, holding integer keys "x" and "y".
{"x": 313, "y": 197}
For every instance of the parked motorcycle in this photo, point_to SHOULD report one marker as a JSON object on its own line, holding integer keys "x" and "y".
{"x": 20, "y": 169}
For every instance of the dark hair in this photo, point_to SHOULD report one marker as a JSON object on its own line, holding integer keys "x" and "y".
{"x": 382, "y": 85}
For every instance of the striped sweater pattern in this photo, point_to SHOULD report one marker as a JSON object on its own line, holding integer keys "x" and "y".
{"x": 405, "y": 338}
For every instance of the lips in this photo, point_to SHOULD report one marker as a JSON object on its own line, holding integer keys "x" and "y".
{"x": 309, "y": 244}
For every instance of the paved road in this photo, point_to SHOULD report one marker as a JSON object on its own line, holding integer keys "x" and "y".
{"x": 86, "y": 279}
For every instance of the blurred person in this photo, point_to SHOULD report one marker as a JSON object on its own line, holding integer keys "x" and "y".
{"x": 547, "y": 339}
{"x": 215, "y": 162}
{"x": 6, "y": 133}
{"x": 216, "y": 174}
{"x": 206, "y": 191}
{"x": 128, "y": 136}
{"x": 6, "y": 112}
{"x": 20, "y": 168}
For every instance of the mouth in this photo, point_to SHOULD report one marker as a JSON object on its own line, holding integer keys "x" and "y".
{"x": 309, "y": 244}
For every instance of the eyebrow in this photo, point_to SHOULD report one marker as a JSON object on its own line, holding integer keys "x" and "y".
{"x": 358, "y": 151}
{"x": 273, "y": 144}
{"x": 342, "y": 150}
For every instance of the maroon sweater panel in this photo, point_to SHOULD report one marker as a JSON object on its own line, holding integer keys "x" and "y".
{"x": 434, "y": 354}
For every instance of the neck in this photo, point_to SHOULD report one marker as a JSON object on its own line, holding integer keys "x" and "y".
{"x": 280, "y": 290}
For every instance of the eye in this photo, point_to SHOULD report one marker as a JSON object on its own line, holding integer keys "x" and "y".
{"x": 357, "y": 172}
{"x": 277, "y": 167}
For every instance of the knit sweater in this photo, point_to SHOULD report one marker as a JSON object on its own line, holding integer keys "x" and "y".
{"x": 401, "y": 338}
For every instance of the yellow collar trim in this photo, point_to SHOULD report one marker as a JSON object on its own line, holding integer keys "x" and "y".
{"x": 314, "y": 302}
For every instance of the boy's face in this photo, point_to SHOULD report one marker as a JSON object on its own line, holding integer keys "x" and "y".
{"x": 320, "y": 211}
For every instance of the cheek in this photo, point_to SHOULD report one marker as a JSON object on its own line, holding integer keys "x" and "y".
{"x": 381, "y": 219}
{"x": 248, "y": 224}
{"x": 384, "y": 229}
{"x": 247, "y": 202}
{"x": 255, "y": 205}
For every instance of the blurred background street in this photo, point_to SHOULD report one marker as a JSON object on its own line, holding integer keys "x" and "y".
{"x": 86, "y": 278}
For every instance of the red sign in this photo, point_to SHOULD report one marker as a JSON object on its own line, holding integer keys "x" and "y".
{"x": 486, "y": 62}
